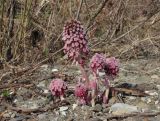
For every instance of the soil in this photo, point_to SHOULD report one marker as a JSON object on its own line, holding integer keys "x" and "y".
{"x": 32, "y": 101}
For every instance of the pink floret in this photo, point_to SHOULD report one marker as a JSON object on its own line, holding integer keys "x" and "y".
{"x": 81, "y": 92}
{"x": 111, "y": 67}
{"x": 57, "y": 87}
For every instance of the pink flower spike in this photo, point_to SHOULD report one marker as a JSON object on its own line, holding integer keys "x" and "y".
{"x": 81, "y": 92}
{"x": 57, "y": 88}
{"x": 73, "y": 37}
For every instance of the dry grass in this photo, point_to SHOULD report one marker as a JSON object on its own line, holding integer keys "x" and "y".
{"x": 30, "y": 30}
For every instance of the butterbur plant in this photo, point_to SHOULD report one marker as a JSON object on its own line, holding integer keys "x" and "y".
{"x": 76, "y": 48}
{"x": 57, "y": 88}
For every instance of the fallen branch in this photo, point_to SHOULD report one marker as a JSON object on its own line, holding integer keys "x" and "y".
{"x": 130, "y": 92}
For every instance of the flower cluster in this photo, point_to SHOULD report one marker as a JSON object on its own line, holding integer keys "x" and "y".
{"x": 57, "y": 88}
{"x": 97, "y": 63}
{"x": 112, "y": 67}
{"x": 109, "y": 65}
{"x": 75, "y": 40}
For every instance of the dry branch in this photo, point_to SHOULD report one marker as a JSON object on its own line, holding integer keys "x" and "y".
{"x": 100, "y": 8}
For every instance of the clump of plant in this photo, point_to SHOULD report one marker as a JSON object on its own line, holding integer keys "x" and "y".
{"x": 76, "y": 49}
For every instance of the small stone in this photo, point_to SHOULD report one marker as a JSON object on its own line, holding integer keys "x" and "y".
{"x": 121, "y": 108}
{"x": 149, "y": 101}
{"x": 63, "y": 113}
{"x": 6, "y": 115}
{"x": 54, "y": 70}
{"x": 42, "y": 117}
{"x": 132, "y": 98}
{"x": 74, "y": 106}
{"x": 105, "y": 110}
{"x": 42, "y": 84}
{"x": 45, "y": 67}
{"x": 46, "y": 91}
{"x": 97, "y": 108}
{"x": 154, "y": 77}
{"x": 153, "y": 94}
{"x": 13, "y": 115}
{"x": 158, "y": 86}
{"x": 156, "y": 102}
{"x": 64, "y": 108}
{"x": 85, "y": 107}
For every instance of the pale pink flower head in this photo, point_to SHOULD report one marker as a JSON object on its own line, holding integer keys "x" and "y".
{"x": 57, "y": 87}
{"x": 81, "y": 92}
{"x": 75, "y": 41}
{"x": 97, "y": 63}
{"x": 111, "y": 67}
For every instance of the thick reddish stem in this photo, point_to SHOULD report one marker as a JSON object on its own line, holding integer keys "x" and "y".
{"x": 84, "y": 74}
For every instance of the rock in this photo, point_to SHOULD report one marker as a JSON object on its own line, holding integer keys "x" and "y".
{"x": 154, "y": 77}
{"x": 149, "y": 100}
{"x": 132, "y": 97}
{"x": 105, "y": 110}
{"x": 74, "y": 106}
{"x": 13, "y": 115}
{"x": 46, "y": 91}
{"x": 142, "y": 105}
{"x": 156, "y": 102}
{"x": 64, "y": 108}
{"x": 97, "y": 108}
{"x": 121, "y": 108}
{"x": 6, "y": 115}
{"x": 158, "y": 87}
{"x": 54, "y": 70}
{"x": 44, "y": 67}
{"x": 42, "y": 84}
{"x": 63, "y": 113}
{"x": 47, "y": 117}
{"x": 85, "y": 108}
{"x": 152, "y": 93}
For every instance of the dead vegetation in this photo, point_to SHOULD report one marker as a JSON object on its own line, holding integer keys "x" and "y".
{"x": 31, "y": 29}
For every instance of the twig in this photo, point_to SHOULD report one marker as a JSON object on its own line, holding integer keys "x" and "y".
{"x": 39, "y": 109}
{"x": 79, "y": 9}
{"x": 15, "y": 85}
